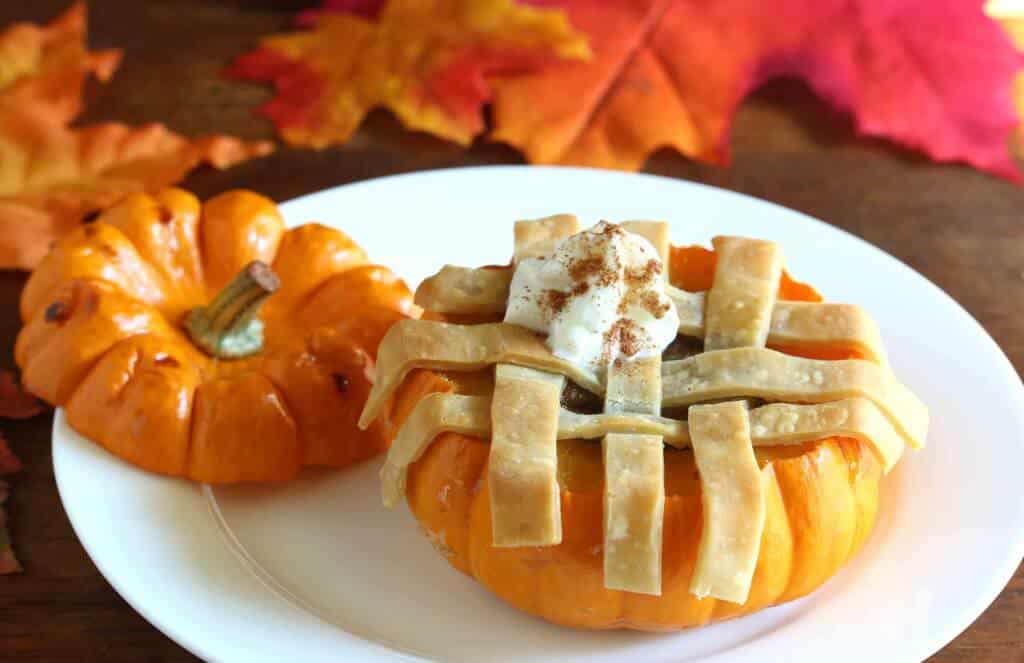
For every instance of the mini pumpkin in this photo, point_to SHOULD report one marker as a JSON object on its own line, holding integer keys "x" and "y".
{"x": 207, "y": 341}
{"x": 735, "y": 472}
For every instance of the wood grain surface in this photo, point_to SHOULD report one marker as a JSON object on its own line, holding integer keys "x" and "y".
{"x": 961, "y": 229}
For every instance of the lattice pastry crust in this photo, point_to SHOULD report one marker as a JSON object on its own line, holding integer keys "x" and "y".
{"x": 808, "y": 400}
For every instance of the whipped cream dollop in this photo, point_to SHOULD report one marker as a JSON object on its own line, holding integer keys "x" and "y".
{"x": 599, "y": 297}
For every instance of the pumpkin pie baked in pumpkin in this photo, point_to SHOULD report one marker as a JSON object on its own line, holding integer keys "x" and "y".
{"x": 613, "y": 432}
{"x": 209, "y": 342}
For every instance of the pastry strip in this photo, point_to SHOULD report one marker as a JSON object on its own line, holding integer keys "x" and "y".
{"x": 634, "y": 481}
{"x": 634, "y": 463}
{"x": 742, "y": 295}
{"x": 461, "y": 290}
{"x": 732, "y": 495}
{"x": 522, "y": 473}
{"x": 634, "y": 386}
{"x": 732, "y": 373}
{"x": 763, "y": 373}
{"x": 777, "y": 424}
{"x": 525, "y": 497}
{"x": 826, "y": 324}
{"x": 690, "y": 307}
{"x": 780, "y": 424}
{"x": 442, "y": 346}
{"x": 537, "y": 237}
{"x": 434, "y": 414}
{"x": 655, "y": 232}
{"x": 634, "y": 506}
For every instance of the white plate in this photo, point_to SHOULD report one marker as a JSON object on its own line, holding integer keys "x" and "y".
{"x": 317, "y": 570}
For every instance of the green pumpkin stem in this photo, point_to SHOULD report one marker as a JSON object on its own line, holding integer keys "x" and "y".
{"x": 228, "y": 327}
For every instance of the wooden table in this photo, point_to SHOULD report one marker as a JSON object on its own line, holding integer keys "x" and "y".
{"x": 961, "y": 229}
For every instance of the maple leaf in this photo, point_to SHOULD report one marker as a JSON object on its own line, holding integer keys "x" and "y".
{"x": 15, "y": 402}
{"x": 932, "y": 75}
{"x": 52, "y": 175}
{"x": 425, "y": 60}
{"x": 8, "y": 562}
{"x": 9, "y": 463}
{"x": 1011, "y": 15}
{"x": 45, "y": 67}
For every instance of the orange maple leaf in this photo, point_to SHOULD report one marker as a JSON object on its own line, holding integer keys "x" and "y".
{"x": 425, "y": 60}
{"x": 1011, "y": 15}
{"x": 51, "y": 175}
{"x": 44, "y": 67}
{"x": 933, "y": 75}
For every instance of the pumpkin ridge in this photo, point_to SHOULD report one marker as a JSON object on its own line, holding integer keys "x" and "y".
{"x": 152, "y": 275}
{"x": 303, "y": 301}
{"x": 296, "y": 234}
{"x": 288, "y": 412}
{"x": 838, "y": 545}
{"x": 300, "y": 433}
{"x": 95, "y": 365}
{"x": 161, "y": 278}
{"x": 78, "y": 404}
{"x": 191, "y": 430}
{"x": 791, "y": 571}
{"x": 91, "y": 365}
{"x": 795, "y": 527}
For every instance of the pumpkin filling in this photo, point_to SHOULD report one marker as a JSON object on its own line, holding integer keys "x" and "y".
{"x": 758, "y": 371}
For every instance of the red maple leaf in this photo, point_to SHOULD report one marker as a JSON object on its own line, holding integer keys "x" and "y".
{"x": 427, "y": 62}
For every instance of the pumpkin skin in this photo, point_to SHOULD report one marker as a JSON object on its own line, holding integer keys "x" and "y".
{"x": 103, "y": 337}
{"x": 821, "y": 506}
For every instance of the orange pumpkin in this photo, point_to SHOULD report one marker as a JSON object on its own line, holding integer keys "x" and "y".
{"x": 820, "y": 510}
{"x": 207, "y": 341}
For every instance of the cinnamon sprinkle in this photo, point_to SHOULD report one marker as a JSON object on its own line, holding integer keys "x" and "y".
{"x": 635, "y": 278}
{"x": 580, "y": 288}
{"x": 645, "y": 299}
{"x": 591, "y": 268}
{"x": 555, "y": 301}
{"x": 625, "y": 334}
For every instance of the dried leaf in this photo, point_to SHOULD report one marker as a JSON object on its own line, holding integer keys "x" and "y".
{"x": 8, "y": 562}
{"x": 52, "y": 175}
{"x": 9, "y": 463}
{"x": 43, "y": 68}
{"x": 1010, "y": 15}
{"x": 15, "y": 402}
{"x": 932, "y": 75}
{"x": 425, "y": 60}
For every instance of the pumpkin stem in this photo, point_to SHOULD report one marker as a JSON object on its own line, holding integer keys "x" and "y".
{"x": 228, "y": 327}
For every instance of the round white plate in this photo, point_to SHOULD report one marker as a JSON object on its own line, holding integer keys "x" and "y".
{"x": 318, "y": 570}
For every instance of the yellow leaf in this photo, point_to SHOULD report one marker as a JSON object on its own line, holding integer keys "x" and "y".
{"x": 425, "y": 60}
